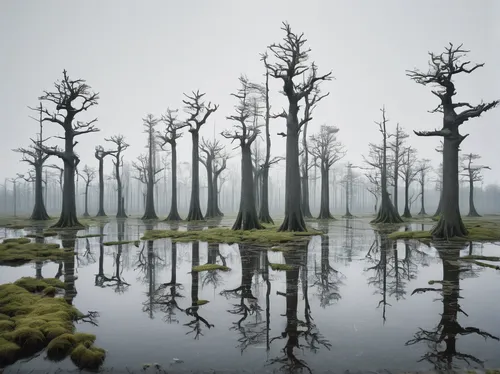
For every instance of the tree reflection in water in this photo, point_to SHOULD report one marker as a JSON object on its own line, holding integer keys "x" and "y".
{"x": 448, "y": 327}
{"x": 295, "y": 328}
{"x": 115, "y": 281}
{"x": 213, "y": 277}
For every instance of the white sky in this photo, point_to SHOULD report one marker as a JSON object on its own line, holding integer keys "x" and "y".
{"x": 141, "y": 57}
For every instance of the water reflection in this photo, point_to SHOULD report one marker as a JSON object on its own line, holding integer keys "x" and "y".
{"x": 442, "y": 340}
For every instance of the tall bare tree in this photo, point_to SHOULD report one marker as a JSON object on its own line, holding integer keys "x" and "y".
{"x": 443, "y": 69}
{"x": 88, "y": 175}
{"x": 34, "y": 156}
{"x": 291, "y": 62}
{"x": 327, "y": 150}
{"x": 472, "y": 173}
{"x": 198, "y": 114}
{"x": 245, "y": 133}
{"x": 74, "y": 97}
{"x": 220, "y": 164}
{"x": 100, "y": 154}
{"x": 170, "y": 136}
{"x": 408, "y": 171}
{"x": 121, "y": 145}
{"x": 397, "y": 147}
{"x": 212, "y": 150}
{"x": 423, "y": 168}
{"x": 374, "y": 171}
{"x": 387, "y": 213}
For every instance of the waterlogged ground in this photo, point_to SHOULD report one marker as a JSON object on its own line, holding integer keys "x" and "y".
{"x": 344, "y": 303}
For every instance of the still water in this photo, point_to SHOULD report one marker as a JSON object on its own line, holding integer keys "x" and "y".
{"x": 347, "y": 304}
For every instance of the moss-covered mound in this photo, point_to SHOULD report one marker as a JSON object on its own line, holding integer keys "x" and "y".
{"x": 44, "y": 234}
{"x": 136, "y": 242}
{"x": 30, "y": 320}
{"x": 480, "y": 229}
{"x": 281, "y": 267}
{"x": 265, "y": 237}
{"x": 208, "y": 267}
{"x": 19, "y": 251}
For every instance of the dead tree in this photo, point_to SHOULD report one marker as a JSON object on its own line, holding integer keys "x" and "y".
{"x": 397, "y": 147}
{"x": 245, "y": 134}
{"x": 327, "y": 150}
{"x": 291, "y": 56}
{"x": 212, "y": 150}
{"x": 263, "y": 91}
{"x": 387, "y": 213}
{"x": 422, "y": 168}
{"x": 220, "y": 165}
{"x": 311, "y": 101}
{"x": 88, "y": 175}
{"x": 72, "y": 96}
{"x": 472, "y": 173}
{"x": 34, "y": 156}
{"x": 60, "y": 176}
{"x": 170, "y": 136}
{"x": 374, "y": 162}
{"x": 347, "y": 182}
{"x": 100, "y": 154}
{"x": 147, "y": 169}
{"x": 408, "y": 171}
{"x": 442, "y": 71}
{"x": 198, "y": 114}
{"x": 121, "y": 145}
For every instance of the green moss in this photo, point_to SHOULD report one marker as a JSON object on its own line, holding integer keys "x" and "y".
{"x": 208, "y": 267}
{"x": 87, "y": 356}
{"x": 8, "y": 352}
{"x": 49, "y": 291}
{"x": 19, "y": 251}
{"x": 90, "y": 236}
{"x": 121, "y": 242}
{"x": 44, "y": 234}
{"x": 38, "y": 285}
{"x": 4, "y": 317}
{"x": 268, "y": 236}
{"x": 16, "y": 240}
{"x": 6, "y": 326}
{"x": 281, "y": 267}
{"x": 202, "y": 302}
{"x": 34, "y": 321}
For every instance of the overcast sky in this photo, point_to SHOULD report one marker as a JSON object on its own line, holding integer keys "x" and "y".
{"x": 142, "y": 56}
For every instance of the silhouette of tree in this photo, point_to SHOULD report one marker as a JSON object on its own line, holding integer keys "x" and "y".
{"x": 121, "y": 146}
{"x": 88, "y": 175}
{"x": 100, "y": 154}
{"x": 472, "y": 173}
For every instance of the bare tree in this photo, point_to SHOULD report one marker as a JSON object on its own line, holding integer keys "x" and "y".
{"x": 408, "y": 171}
{"x": 397, "y": 147}
{"x": 291, "y": 58}
{"x": 422, "y": 169}
{"x": 327, "y": 150}
{"x": 72, "y": 96}
{"x": 88, "y": 175}
{"x": 374, "y": 173}
{"x": 472, "y": 173}
{"x": 198, "y": 114}
{"x": 386, "y": 213}
{"x": 212, "y": 150}
{"x": 100, "y": 154}
{"x": 220, "y": 165}
{"x": 246, "y": 134}
{"x": 34, "y": 156}
{"x": 121, "y": 145}
{"x": 170, "y": 136}
{"x": 347, "y": 181}
{"x": 442, "y": 70}
{"x": 147, "y": 167}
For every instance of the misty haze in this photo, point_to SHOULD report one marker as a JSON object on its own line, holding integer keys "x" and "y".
{"x": 259, "y": 187}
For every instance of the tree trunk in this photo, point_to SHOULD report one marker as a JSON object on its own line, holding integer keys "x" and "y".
{"x": 247, "y": 216}
{"x": 39, "y": 211}
{"x": 347, "y": 188}
{"x": 440, "y": 204}
{"x": 422, "y": 198}
{"x": 294, "y": 220}
{"x": 86, "y": 213}
{"x": 472, "y": 209}
{"x": 149, "y": 211}
{"x": 264, "y": 215}
{"x": 121, "y": 206}
{"x": 174, "y": 213}
{"x": 218, "y": 212}
{"x": 68, "y": 216}
{"x": 396, "y": 177}
{"x": 407, "y": 213}
{"x": 211, "y": 212}
{"x": 324, "y": 210}
{"x": 101, "y": 212}
{"x": 306, "y": 210}
{"x": 450, "y": 222}
{"x": 194, "y": 213}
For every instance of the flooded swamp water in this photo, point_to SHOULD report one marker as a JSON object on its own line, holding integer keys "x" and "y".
{"x": 344, "y": 301}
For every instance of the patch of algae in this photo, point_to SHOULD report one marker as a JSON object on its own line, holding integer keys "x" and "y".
{"x": 269, "y": 236}
{"x": 135, "y": 242}
{"x": 19, "y": 251}
{"x": 208, "y": 267}
{"x": 30, "y": 321}
{"x": 281, "y": 267}
{"x": 480, "y": 229}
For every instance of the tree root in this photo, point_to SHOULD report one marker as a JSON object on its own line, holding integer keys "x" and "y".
{"x": 445, "y": 229}
{"x": 293, "y": 222}
{"x": 67, "y": 221}
{"x": 173, "y": 216}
